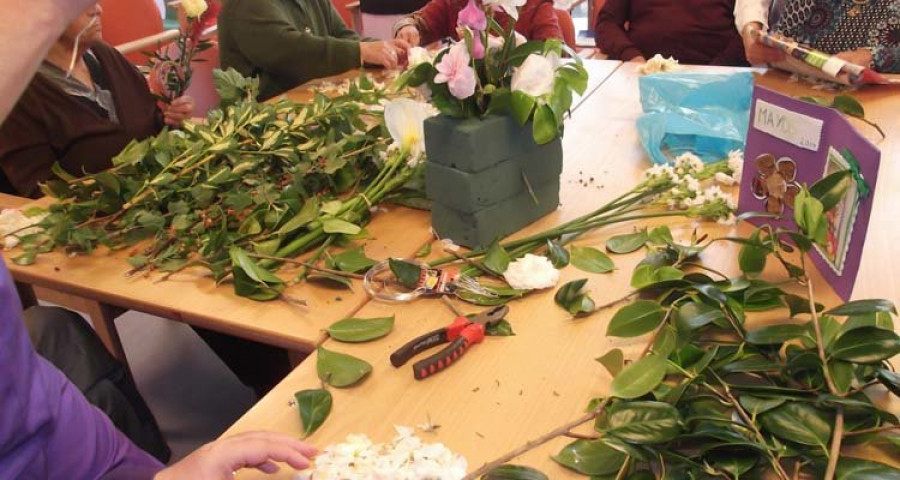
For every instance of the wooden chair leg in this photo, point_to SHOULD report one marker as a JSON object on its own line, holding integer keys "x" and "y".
{"x": 103, "y": 317}
{"x": 26, "y": 295}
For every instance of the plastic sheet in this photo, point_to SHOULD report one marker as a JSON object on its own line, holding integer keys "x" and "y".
{"x": 707, "y": 114}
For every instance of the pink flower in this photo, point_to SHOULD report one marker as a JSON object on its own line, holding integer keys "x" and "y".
{"x": 472, "y": 17}
{"x": 477, "y": 46}
{"x": 455, "y": 71}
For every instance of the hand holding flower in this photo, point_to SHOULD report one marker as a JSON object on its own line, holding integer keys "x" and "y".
{"x": 410, "y": 35}
{"x": 181, "y": 109}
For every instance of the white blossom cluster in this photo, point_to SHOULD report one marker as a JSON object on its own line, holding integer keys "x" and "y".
{"x": 14, "y": 224}
{"x": 684, "y": 190}
{"x": 405, "y": 458}
{"x": 659, "y": 64}
{"x": 531, "y": 272}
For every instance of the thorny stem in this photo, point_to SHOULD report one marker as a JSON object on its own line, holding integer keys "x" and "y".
{"x": 581, "y": 436}
{"x": 866, "y": 431}
{"x": 616, "y": 301}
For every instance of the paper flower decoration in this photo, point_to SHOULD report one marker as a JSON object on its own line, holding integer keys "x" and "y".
{"x": 775, "y": 182}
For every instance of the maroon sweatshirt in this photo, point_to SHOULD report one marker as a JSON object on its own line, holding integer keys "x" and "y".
{"x": 698, "y": 32}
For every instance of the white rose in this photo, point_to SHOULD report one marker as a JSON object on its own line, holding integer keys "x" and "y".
{"x": 194, "y": 8}
{"x": 511, "y": 7}
{"x": 417, "y": 56}
{"x": 14, "y": 224}
{"x": 659, "y": 64}
{"x": 531, "y": 272}
{"x": 535, "y": 76}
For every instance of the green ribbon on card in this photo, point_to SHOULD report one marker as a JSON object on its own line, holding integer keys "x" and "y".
{"x": 861, "y": 186}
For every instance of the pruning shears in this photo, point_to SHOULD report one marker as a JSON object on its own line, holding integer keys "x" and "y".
{"x": 461, "y": 334}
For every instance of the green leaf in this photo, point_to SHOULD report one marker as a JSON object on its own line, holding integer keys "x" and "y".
{"x": 809, "y": 215}
{"x": 336, "y": 225}
{"x": 666, "y": 341}
{"x": 572, "y": 297}
{"x": 558, "y": 255}
{"x": 848, "y": 106}
{"x": 857, "y": 469}
{"x": 890, "y": 380}
{"x": 545, "y": 127}
{"x": 660, "y": 236}
{"x": 330, "y": 279}
{"x": 424, "y": 251}
{"x": 636, "y": 319}
{"x": 496, "y": 259}
{"x": 752, "y": 259}
{"x": 514, "y": 472}
{"x": 241, "y": 260}
{"x": 613, "y": 360}
{"x": 694, "y": 315}
{"x": 642, "y": 422}
{"x": 831, "y": 189}
{"x": 639, "y": 378}
{"x": 862, "y": 307}
{"x": 798, "y": 305}
{"x": 627, "y": 243}
{"x": 339, "y": 369}
{"x": 591, "y": 260}
{"x": 314, "y": 406}
{"x": 775, "y": 334}
{"x": 307, "y": 214}
{"x": 757, "y": 405}
{"x": 26, "y": 258}
{"x": 643, "y": 276}
{"x": 522, "y": 106}
{"x": 798, "y": 422}
{"x": 357, "y": 330}
{"x": 866, "y": 345}
{"x": 842, "y": 373}
{"x": 352, "y": 261}
{"x": 878, "y": 319}
{"x": 406, "y": 273}
{"x": 499, "y": 329}
{"x": 591, "y": 457}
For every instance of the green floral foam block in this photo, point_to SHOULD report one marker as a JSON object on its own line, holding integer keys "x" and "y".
{"x": 472, "y": 145}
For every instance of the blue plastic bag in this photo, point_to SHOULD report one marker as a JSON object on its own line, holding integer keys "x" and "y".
{"x": 707, "y": 114}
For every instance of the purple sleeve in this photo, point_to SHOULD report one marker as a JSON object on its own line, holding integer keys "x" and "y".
{"x": 47, "y": 428}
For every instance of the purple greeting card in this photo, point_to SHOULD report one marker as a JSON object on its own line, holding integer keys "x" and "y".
{"x": 791, "y": 143}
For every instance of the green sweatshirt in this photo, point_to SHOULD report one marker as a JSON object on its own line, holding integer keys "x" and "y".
{"x": 285, "y": 42}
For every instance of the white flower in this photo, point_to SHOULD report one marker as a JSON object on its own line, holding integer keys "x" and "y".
{"x": 724, "y": 179}
{"x": 729, "y": 220}
{"x": 405, "y": 458}
{"x": 194, "y": 8}
{"x": 659, "y": 64}
{"x": 535, "y": 76}
{"x": 14, "y": 224}
{"x": 405, "y": 119}
{"x": 511, "y": 7}
{"x": 531, "y": 272}
{"x": 447, "y": 245}
{"x": 736, "y": 164}
{"x": 418, "y": 56}
{"x": 688, "y": 163}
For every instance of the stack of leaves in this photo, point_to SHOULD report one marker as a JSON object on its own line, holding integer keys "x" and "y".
{"x": 255, "y": 180}
{"x": 709, "y": 398}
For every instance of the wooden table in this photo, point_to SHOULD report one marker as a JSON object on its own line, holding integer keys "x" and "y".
{"x": 99, "y": 280}
{"x": 509, "y": 390}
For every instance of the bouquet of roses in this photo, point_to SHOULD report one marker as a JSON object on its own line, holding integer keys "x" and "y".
{"x": 171, "y": 69}
{"x": 486, "y": 72}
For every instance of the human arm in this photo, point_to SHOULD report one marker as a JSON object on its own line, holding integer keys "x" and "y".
{"x": 181, "y": 109}
{"x": 218, "y": 460}
{"x": 336, "y": 26}
{"x": 610, "y": 34}
{"x": 539, "y": 21}
{"x": 750, "y": 18}
{"x": 27, "y": 29}
{"x": 434, "y": 21}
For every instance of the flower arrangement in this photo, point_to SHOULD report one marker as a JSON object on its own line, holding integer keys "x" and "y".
{"x": 488, "y": 72}
{"x": 171, "y": 72}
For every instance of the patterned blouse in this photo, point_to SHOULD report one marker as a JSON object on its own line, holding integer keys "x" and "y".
{"x": 842, "y": 25}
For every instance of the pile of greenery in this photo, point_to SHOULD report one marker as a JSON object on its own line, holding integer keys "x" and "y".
{"x": 255, "y": 180}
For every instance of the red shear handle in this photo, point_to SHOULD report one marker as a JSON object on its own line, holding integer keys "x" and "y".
{"x": 448, "y": 356}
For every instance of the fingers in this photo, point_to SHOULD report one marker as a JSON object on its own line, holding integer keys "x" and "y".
{"x": 178, "y": 111}
{"x": 389, "y": 56}
{"x": 305, "y": 448}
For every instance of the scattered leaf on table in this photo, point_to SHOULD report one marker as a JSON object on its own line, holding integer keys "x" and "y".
{"x": 636, "y": 319}
{"x": 306, "y": 215}
{"x": 798, "y": 422}
{"x": 330, "y": 279}
{"x": 613, "y": 360}
{"x": 406, "y": 273}
{"x": 424, "y": 251}
{"x": 628, "y": 242}
{"x": 572, "y": 297}
{"x": 849, "y": 106}
{"x": 514, "y": 472}
{"x": 496, "y": 259}
{"x": 591, "y": 457}
{"x": 336, "y": 225}
{"x": 866, "y": 345}
{"x": 642, "y": 422}
{"x": 355, "y": 330}
{"x": 499, "y": 329}
{"x": 558, "y": 255}
{"x": 639, "y": 378}
{"x": 339, "y": 369}
{"x": 314, "y": 406}
{"x": 352, "y": 261}
{"x": 240, "y": 259}
{"x": 591, "y": 260}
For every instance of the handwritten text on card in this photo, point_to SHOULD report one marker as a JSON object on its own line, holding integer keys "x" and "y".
{"x": 801, "y": 130}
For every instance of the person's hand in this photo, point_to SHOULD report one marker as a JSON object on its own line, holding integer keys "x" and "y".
{"x": 638, "y": 59}
{"x": 220, "y": 459}
{"x": 390, "y": 54}
{"x": 756, "y": 52}
{"x": 410, "y": 35}
{"x": 861, "y": 57}
{"x": 178, "y": 111}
